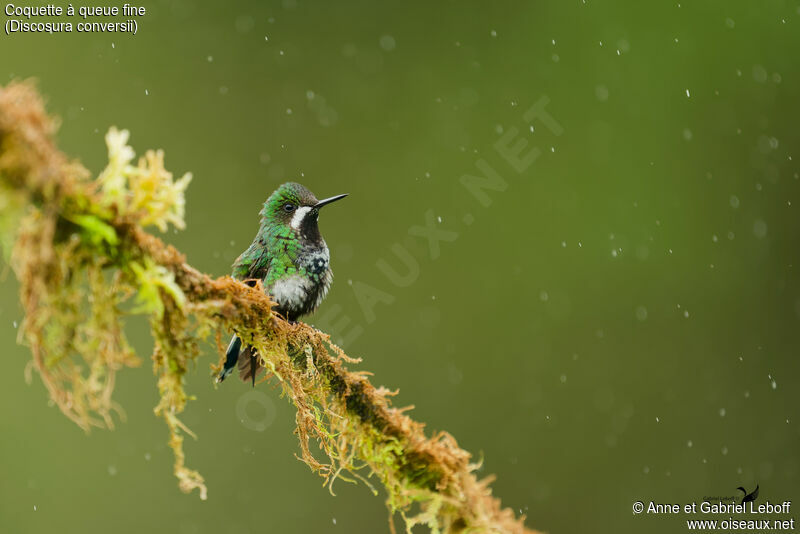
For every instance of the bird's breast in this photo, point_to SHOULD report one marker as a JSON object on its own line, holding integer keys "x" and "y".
{"x": 291, "y": 292}
{"x": 316, "y": 261}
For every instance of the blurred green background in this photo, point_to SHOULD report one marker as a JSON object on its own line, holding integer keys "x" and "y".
{"x": 619, "y": 324}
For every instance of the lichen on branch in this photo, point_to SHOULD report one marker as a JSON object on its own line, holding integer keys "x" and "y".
{"x": 84, "y": 261}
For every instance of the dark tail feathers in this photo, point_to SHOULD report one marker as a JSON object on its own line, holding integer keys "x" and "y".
{"x": 248, "y": 362}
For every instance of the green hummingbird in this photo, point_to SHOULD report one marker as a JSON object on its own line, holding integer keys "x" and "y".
{"x": 291, "y": 259}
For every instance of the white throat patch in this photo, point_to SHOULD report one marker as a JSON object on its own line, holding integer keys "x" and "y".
{"x": 298, "y": 217}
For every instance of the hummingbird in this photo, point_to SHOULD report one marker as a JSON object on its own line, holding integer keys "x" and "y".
{"x": 290, "y": 258}
{"x": 748, "y": 497}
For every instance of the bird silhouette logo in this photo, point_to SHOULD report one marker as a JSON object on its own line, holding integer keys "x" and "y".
{"x": 748, "y": 497}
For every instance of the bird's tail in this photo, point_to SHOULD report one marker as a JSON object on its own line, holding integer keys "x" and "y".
{"x": 248, "y": 361}
{"x": 231, "y": 356}
{"x": 249, "y": 365}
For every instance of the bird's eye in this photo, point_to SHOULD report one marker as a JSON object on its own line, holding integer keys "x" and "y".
{"x": 288, "y": 208}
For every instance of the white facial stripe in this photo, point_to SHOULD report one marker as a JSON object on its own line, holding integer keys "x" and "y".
{"x": 298, "y": 217}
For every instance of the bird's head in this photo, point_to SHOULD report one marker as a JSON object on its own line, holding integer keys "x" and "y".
{"x": 296, "y": 209}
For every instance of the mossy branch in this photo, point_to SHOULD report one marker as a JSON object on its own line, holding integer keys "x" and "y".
{"x": 84, "y": 262}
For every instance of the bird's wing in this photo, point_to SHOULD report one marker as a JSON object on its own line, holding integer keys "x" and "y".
{"x": 252, "y": 263}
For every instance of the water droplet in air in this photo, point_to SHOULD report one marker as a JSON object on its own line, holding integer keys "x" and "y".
{"x": 760, "y": 229}
{"x": 388, "y": 43}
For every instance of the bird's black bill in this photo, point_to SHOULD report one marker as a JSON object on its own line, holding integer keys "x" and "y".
{"x": 329, "y": 200}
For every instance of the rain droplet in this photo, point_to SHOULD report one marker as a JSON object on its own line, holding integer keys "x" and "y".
{"x": 760, "y": 229}
{"x": 759, "y": 73}
{"x": 388, "y": 43}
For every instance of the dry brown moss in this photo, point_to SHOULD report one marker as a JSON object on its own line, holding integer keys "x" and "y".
{"x": 82, "y": 257}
